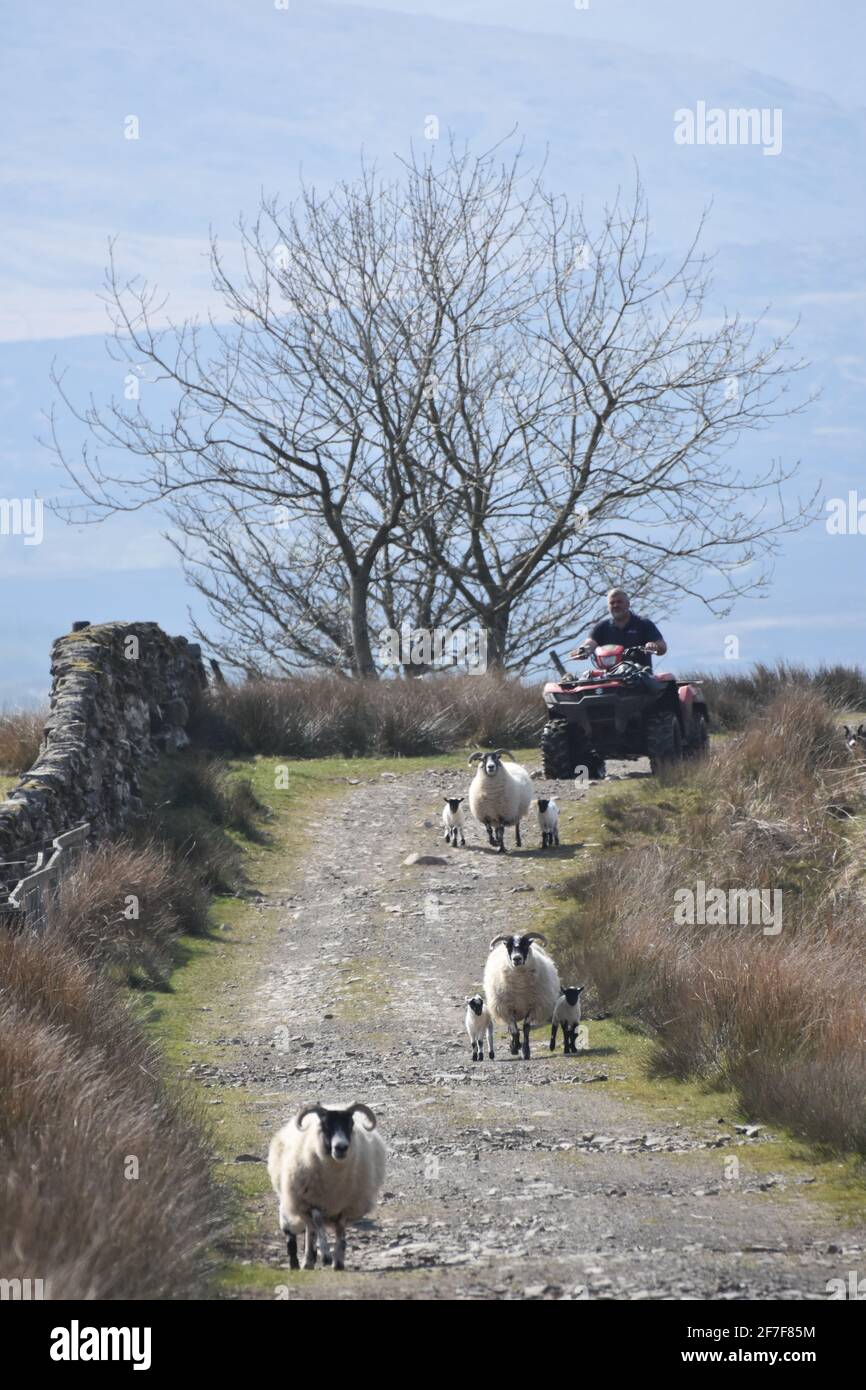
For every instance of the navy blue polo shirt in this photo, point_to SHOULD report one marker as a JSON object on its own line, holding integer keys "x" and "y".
{"x": 636, "y": 633}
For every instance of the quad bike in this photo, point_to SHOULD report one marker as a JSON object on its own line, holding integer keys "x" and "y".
{"x": 619, "y": 708}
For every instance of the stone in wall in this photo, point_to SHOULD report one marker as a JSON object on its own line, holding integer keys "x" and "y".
{"x": 121, "y": 693}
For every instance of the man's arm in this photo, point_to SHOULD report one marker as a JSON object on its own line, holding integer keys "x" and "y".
{"x": 587, "y": 646}
{"x": 657, "y": 643}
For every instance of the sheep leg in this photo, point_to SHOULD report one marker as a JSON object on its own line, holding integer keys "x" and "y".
{"x": 489, "y": 828}
{"x": 500, "y": 835}
{"x": 322, "y": 1234}
{"x": 517, "y": 840}
{"x": 515, "y": 1039}
{"x": 292, "y": 1250}
{"x": 462, "y": 838}
{"x": 474, "y": 1050}
{"x": 490, "y": 1053}
{"x": 525, "y": 1040}
{"x": 310, "y": 1247}
{"x": 553, "y": 1036}
{"x": 340, "y": 1245}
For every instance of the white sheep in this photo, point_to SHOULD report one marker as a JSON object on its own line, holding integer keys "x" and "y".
{"x": 499, "y": 795}
{"x": 521, "y": 985}
{"x": 548, "y": 819}
{"x": 330, "y": 1171}
{"x": 566, "y": 1015}
{"x": 478, "y": 1025}
{"x": 452, "y": 820}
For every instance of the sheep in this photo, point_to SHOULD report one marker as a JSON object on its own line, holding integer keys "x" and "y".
{"x": 479, "y": 1023}
{"x": 855, "y": 739}
{"x": 521, "y": 985}
{"x": 329, "y": 1172}
{"x": 499, "y": 796}
{"x": 566, "y": 1014}
{"x": 548, "y": 819}
{"x": 452, "y": 819}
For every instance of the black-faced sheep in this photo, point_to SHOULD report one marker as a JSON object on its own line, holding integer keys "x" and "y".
{"x": 499, "y": 795}
{"x": 479, "y": 1025}
{"x": 566, "y": 1015}
{"x": 521, "y": 985}
{"x": 548, "y": 819}
{"x": 452, "y": 820}
{"x": 327, "y": 1172}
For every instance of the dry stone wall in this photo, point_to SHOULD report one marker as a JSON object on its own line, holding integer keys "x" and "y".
{"x": 121, "y": 693}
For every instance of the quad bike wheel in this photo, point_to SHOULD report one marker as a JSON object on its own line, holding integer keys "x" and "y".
{"x": 559, "y": 756}
{"x": 664, "y": 740}
{"x": 699, "y": 744}
{"x": 556, "y": 751}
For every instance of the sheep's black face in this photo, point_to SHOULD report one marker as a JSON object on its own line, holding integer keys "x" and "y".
{"x": 543, "y": 803}
{"x": 476, "y": 1003}
{"x": 490, "y": 763}
{"x": 454, "y": 802}
{"x": 572, "y": 993}
{"x": 336, "y": 1128}
{"x": 518, "y": 949}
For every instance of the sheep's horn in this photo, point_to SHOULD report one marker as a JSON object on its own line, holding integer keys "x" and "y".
{"x": 365, "y": 1110}
{"x": 497, "y": 939}
{"x": 536, "y": 936}
{"x": 307, "y": 1110}
{"x": 476, "y": 757}
{"x": 499, "y": 751}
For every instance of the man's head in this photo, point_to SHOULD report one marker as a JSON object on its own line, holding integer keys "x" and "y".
{"x": 617, "y": 604}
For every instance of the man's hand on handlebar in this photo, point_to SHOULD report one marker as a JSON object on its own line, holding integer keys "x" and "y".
{"x": 579, "y": 653}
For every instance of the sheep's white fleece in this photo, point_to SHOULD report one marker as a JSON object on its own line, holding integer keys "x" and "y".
{"x": 507, "y": 796}
{"x": 346, "y": 1189}
{"x": 527, "y": 991}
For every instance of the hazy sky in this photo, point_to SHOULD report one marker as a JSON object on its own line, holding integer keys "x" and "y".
{"x": 234, "y": 97}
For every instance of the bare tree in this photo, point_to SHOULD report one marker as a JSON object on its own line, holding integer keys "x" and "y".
{"x": 440, "y": 399}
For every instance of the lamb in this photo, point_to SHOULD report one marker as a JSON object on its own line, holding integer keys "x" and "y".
{"x": 452, "y": 819}
{"x": 521, "y": 985}
{"x": 855, "y": 739}
{"x": 330, "y": 1171}
{"x": 548, "y": 819}
{"x": 499, "y": 795}
{"x": 479, "y": 1023}
{"x": 567, "y": 1015}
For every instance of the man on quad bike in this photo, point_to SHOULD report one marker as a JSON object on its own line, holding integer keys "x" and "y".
{"x": 620, "y": 708}
{"x": 624, "y": 629}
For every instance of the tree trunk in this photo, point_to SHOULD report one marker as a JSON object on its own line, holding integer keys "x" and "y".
{"x": 362, "y": 652}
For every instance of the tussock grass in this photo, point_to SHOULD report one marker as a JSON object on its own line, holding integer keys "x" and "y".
{"x": 20, "y": 737}
{"x": 781, "y": 1019}
{"x": 320, "y": 716}
{"x": 734, "y": 700}
{"x": 105, "y": 1186}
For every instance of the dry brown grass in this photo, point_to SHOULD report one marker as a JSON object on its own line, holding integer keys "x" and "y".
{"x": 105, "y": 1187}
{"x": 782, "y": 1018}
{"x": 20, "y": 737}
{"x": 320, "y": 716}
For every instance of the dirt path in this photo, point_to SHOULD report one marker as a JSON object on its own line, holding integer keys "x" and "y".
{"x": 507, "y": 1178}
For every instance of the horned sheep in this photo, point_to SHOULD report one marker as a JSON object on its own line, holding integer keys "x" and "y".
{"x": 499, "y": 795}
{"x": 329, "y": 1172}
{"x": 521, "y": 985}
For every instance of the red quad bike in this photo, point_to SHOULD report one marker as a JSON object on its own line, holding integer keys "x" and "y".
{"x": 620, "y": 709}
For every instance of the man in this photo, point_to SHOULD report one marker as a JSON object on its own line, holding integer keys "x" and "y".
{"x": 624, "y": 629}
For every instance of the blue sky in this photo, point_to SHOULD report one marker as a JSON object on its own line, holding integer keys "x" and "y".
{"x": 232, "y": 98}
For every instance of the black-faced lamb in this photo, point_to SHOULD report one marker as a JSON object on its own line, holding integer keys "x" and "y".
{"x": 566, "y": 1015}
{"x": 479, "y": 1025}
{"x": 548, "y": 819}
{"x": 328, "y": 1171}
{"x": 855, "y": 739}
{"x": 452, "y": 820}
{"x": 521, "y": 985}
{"x": 499, "y": 795}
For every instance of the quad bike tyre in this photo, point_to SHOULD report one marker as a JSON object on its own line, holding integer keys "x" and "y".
{"x": 698, "y": 745}
{"x": 664, "y": 740}
{"x": 559, "y": 757}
